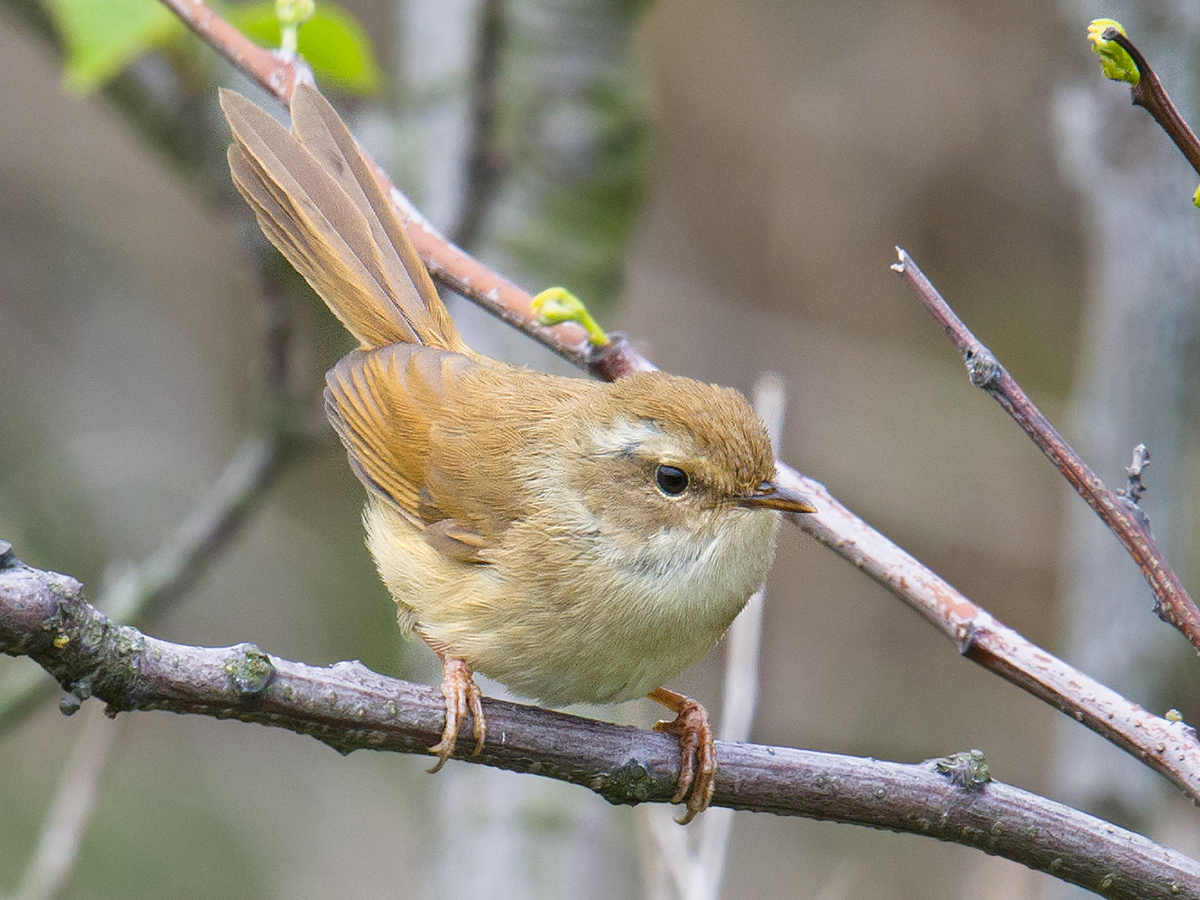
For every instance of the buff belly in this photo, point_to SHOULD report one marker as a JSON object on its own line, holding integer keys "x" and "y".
{"x": 620, "y": 633}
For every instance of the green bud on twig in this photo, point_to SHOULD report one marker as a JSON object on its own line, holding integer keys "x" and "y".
{"x": 556, "y": 305}
{"x": 1115, "y": 62}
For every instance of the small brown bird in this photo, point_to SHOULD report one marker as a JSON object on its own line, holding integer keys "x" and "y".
{"x": 578, "y": 541}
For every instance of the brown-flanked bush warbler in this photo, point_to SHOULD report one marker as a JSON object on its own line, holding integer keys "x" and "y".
{"x": 578, "y": 541}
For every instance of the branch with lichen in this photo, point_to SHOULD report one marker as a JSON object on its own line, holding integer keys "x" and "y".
{"x": 1166, "y": 747}
{"x": 44, "y": 616}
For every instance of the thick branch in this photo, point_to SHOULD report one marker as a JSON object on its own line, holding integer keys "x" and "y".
{"x": 349, "y": 707}
{"x": 1118, "y": 511}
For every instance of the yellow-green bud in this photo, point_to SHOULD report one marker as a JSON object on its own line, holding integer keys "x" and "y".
{"x": 556, "y": 305}
{"x": 1115, "y": 62}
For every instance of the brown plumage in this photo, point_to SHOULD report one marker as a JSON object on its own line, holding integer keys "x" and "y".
{"x": 577, "y": 541}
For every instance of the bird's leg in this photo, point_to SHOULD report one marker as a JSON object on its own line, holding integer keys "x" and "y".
{"x": 698, "y": 765}
{"x": 462, "y": 694}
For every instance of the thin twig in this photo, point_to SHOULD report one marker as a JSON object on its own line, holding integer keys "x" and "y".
{"x": 979, "y": 637}
{"x": 272, "y": 71}
{"x": 1151, "y": 96}
{"x": 743, "y": 642}
{"x": 1118, "y": 512}
{"x": 53, "y": 860}
{"x": 349, "y": 707}
{"x": 1136, "y": 487}
{"x": 1160, "y": 744}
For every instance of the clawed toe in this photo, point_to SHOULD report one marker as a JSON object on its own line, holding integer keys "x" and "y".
{"x": 462, "y": 696}
{"x": 697, "y": 747}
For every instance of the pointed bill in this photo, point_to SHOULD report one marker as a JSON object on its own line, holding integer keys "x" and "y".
{"x": 769, "y": 495}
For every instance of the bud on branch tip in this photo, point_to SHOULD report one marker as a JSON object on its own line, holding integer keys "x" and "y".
{"x": 556, "y": 305}
{"x": 1115, "y": 62}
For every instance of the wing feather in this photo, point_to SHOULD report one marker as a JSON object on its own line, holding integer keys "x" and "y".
{"x": 380, "y": 402}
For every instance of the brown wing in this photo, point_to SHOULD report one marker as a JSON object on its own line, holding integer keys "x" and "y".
{"x": 317, "y": 201}
{"x": 381, "y": 403}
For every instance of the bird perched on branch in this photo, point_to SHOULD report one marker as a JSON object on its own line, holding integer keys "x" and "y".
{"x": 578, "y": 541}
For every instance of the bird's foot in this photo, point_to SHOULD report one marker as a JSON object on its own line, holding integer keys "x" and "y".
{"x": 462, "y": 695}
{"x": 698, "y": 763}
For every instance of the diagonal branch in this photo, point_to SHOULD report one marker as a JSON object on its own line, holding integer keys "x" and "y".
{"x": 1120, "y": 512}
{"x": 349, "y": 707}
{"x": 273, "y": 72}
{"x": 1151, "y": 96}
{"x": 1164, "y": 746}
{"x": 140, "y": 592}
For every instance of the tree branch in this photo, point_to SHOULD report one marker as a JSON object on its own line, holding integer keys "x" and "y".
{"x": 1120, "y": 512}
{"x": 349, "y": 707}
{"x": 1151, "y": 96}
{"x": 1170, "y": 748}
{"x": 273, "y": 72}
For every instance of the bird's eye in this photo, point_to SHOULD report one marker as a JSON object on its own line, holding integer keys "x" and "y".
{"x": 670, "y": 480}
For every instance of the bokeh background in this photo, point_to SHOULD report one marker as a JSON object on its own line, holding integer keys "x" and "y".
{"x": 785, "y": 148}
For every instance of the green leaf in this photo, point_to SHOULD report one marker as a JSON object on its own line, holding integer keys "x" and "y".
{"x": 101, "y": 37}
{"x": 333, "y": 42}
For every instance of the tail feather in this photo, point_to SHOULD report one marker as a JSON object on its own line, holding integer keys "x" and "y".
{"x": 323, "y": 133}
{"x": 317, "y": 201}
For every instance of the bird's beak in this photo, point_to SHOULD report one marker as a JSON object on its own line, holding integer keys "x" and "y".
{"x": 769, "y": 495}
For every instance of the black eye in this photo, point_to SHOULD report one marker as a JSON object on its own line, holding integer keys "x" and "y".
{"x": 670, "y": 480}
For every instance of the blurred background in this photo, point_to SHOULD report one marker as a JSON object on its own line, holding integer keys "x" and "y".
{"x": 725, "y": 182}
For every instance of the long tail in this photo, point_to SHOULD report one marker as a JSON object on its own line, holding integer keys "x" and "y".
{"x": 318, "y": 202}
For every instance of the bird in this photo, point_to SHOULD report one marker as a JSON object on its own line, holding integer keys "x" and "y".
{"x": 577, "y": 541}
